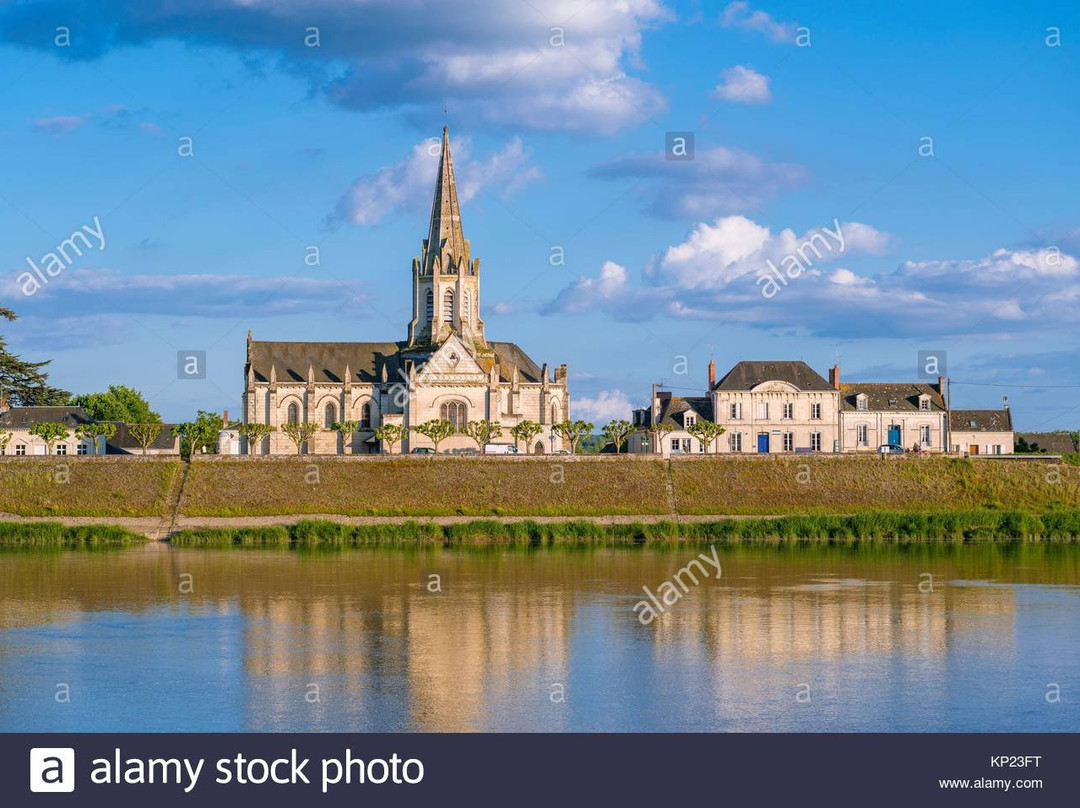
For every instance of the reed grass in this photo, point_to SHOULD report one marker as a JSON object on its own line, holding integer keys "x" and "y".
{"x": 54, "y": 534}
{"x": 967, "y": 525}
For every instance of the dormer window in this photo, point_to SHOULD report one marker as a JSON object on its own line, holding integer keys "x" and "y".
{"x": 861, "y": 403}
{"x": 892, "y": 402}
{"x": 924, "y": 403}
{"x": 688, "y": 420}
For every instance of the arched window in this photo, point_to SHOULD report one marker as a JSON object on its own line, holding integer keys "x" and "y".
{"x": 465, "y": 308}
{"x": 365, "y": 415}
{"x": 455, "y": 412}
{"x": 294, "y": 414}
{"x": 555, "y": 412}
{"x": 430, "y": 306}
{"x": 448, "y": 306}
{"x": 330, "y": 416}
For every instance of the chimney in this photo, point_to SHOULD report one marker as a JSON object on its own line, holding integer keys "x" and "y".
{"x": 712, "y": 373}
{"x": 225, "y": 417}
{"x": 834, "y": 377}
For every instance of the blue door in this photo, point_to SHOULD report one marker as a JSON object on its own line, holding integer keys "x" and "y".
{"x": 763, "y": 442}
{"x": 894, "y": 434}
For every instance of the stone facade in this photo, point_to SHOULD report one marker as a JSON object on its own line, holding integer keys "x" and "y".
{"x": 445, "y": 368}
{"x": 982, "y": 432}
{"x": 911, "y": 415}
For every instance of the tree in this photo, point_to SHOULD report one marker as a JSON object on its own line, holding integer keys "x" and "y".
{"x": 94, "y": 433}
{"x": 200, "y": 435}
{"x": 145, "y": 433}
{"x": 483, "y": 432}
{"x": 658, "y": 431}
{"x": 617, "y": 431}
{"x": 25, "y": 383}
{"x": 706, "y": 431}
{"x": 50, "y": 432}
{"x": 123, "y": 404}
{"x": 390, "y": 434}
{"x": 436, "y": 431}
{"x": 255, "y": 434}
{"x": 347, "y": 430}
{"x": 5, "y": 439}
{"x": 573, "y": 432}
{"x": 525, "y": 431}
{"x": 300, "y": 433}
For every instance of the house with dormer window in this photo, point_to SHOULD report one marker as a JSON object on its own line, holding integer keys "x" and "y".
{"x": 912, "y": 415}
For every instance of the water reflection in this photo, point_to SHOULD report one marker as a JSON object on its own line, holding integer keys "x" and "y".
{"x": 811, "y": 637}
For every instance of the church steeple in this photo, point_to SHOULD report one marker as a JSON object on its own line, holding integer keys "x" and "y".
{"x": 446, "y": 245}
{"x": 446, "y": 279}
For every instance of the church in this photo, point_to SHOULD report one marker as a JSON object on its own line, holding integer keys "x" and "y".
{"x": 445, "y": 368}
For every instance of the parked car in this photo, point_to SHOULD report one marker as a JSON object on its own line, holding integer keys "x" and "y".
{"x": 465, "y": 450}
{"x": 424, "y": 450}
{"x": 891, "y": 448}
{"x": 500, "y": 448}
{"x": 561, "y": 451}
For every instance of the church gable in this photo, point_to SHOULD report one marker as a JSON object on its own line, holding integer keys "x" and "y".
{"x": 452, "y": 362}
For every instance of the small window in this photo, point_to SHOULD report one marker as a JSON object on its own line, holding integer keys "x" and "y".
{"x": 862, "y": 434}
{"x": 815, "y": 441}
{"x": 20, "y": 449}
{"x": 365, "y": 415}
{"x": 924, "y": 403}
{"x": 686, "y": 445}
{"x": 861, "y": 403}
{"x": 430, "y": 306}
{"x": 674, "y": 444}
{"x": 971, "y": 424}
{"x": 892, "y": 402}
{"x": 465, "y": 307}
{"x": 924, "y": 435}
{"x": 763, "y": 411}
{"x": 81, "y": 449}
{"x": 61, "y": 448}
{"x": 815, "y": 411}
{"x": 736, "y": 411}
{"x": 789, "y": 411}
{"x": 789, "y": 441}
{"x": 448, "y": 306}
{"x": 688, "y": 420}
{"x": 735, "y": 441}
{"x": 330, "y": 416}
{"x": 293, "y": 414}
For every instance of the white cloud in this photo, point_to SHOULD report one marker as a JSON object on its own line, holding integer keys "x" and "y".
{"x": 557, "y": 65}
{"x": 740, "y": 15}
{"x": 603, "y": 407}
{"x": 407, "y": 184}
{"x": 717, "y": 273}
{"x": 718, "y": 180}
{"x": 743, "y": 85}
{"x": 60, "y": 124}
{"x": 106, "y": 291}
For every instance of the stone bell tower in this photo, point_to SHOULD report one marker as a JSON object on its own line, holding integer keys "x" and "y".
{"x": 446, "y": 282}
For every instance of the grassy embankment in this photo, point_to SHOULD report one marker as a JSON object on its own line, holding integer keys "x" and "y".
{"x": 52, "y": 534}
{"x": 555, "y": 487}
{"x": 878, "y": 526}
{"x": 86, "y": 486}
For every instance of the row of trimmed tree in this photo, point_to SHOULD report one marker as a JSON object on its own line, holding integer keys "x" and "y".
{"x": 437, "y": 430}
{"x": 53, "y": 432}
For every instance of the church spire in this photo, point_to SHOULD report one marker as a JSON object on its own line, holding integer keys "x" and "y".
{"x": 446, "y": 240}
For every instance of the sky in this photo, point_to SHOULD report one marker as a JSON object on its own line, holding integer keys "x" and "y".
{"x": 268, "y": 165}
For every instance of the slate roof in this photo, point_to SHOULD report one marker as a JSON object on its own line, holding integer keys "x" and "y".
{"x": 26, "y": 417}
{"x": 980, "y": 420}
{"x": 365, "y": 361}
{"x": 890, "y": 396}
{"x": 123, "y": 443}
{"x": 747, "y": 375}
{"x": 1054, "y": 442}
{"x": 673, "y": 409}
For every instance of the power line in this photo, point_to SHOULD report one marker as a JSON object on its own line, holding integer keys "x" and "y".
{"x": 1022, "y": 386}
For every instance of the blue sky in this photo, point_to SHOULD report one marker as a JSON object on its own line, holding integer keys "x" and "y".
{"x": 558, "y": 114}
